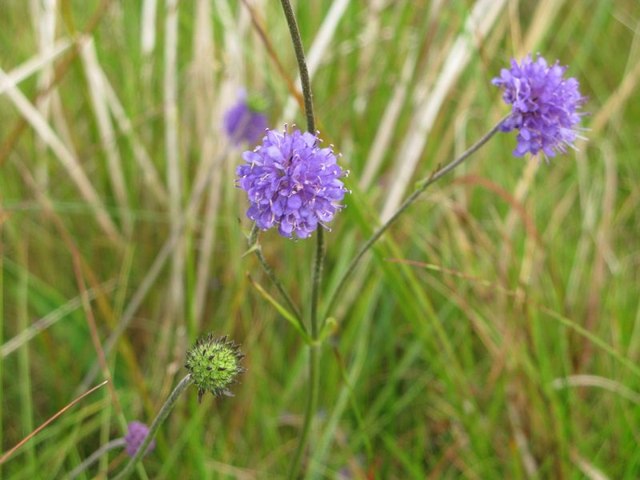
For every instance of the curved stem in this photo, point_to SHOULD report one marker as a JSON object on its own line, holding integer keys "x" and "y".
{"x": 421, "y": 187}
{"x": 253, "y": 245}
{"x": 160, "y": 418}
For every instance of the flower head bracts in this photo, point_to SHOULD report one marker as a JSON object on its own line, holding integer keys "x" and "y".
{"x": 243, "y": 122}
{"x": 214, "y": 364}
{"x": 544, "y": 104}
{"x": 136, "y": 433}
{"x": 291, "y": 183}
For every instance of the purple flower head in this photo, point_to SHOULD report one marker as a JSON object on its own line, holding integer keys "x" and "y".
{"x": 243, "y": 122}
{"x": 291, "y": 183}
{"x": 137, "y": 431}
{"x": 544, "y": 104}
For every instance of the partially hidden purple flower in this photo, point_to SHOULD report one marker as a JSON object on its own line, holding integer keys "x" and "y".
{"x": 243, "y": 122}
{"x": 136, "y": 433}
{"x": 291, "y": 183}
{"x": 545, "y": 106}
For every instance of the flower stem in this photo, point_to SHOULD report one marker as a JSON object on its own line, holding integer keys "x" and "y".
{"x": 314, "y": 359}
{"x": 312, "y": 401}
{"x": 314, "y": 348}
{"x": 421, "y": 187}
{"x": 160, "y": 418}
{"x": 317, "y": 279}
{"x": 302, "y": 64}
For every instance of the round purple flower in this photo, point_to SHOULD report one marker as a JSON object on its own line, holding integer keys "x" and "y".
{"x": 136, "y": 433}
{"x": 291, "y": 183}
{"x": 544, "y": 104}
{"x": 243, "y": 123}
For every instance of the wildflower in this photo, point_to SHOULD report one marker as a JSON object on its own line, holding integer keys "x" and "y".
{"x": 214, "y": 364}
{"x": 136, "y": 433}
{"x": 244, "y": 122}
{"x": 544, "y": 104}
{"x": 291, "y": 183}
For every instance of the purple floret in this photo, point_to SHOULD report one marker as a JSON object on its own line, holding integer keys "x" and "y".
{"x": 291, "y": 183}
{"x": 544, "y": 104}
{"x": 242, "y": 124}
{"x": 137, "y": 431}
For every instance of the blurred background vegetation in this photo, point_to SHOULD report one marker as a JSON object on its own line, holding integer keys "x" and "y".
{"x": 494, "y": 332}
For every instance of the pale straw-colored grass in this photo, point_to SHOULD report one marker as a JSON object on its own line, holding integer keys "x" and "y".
{"x": 174, "y": 170}
{"x": 44, "y": 16}
{"x": 207, "y": 111}
{"x": 94, "y": 75}
{"x": 150, "y": 176}
{"x": 33, "y": 65}
{"x": 68, "y": 160}
{"x": 479, "y": 23}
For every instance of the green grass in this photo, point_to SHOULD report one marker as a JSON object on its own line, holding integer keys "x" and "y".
{"x": 493, "y": 333}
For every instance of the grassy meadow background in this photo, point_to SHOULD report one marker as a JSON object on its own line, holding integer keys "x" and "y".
{"x": 493, "y": 333}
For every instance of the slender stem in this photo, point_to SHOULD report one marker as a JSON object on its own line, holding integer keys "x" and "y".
{"x": 316, "y": 281}
{"x": 312, "y": 401}
{"x": 253, "y": 244}
{"x": 160, "y": 418}
{"x": 302, "y": 64}
{"x": 314, "y": 359}
{"x": 314, "y": 351}
{"x": 422, "y": 186}
{"x": 91, "y": 459}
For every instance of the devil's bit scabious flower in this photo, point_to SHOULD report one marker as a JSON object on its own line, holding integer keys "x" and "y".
{"x": 243, "y": 122}
{"x": 214, "y": 364}
{"x": 544, "y": 104}
{"x": 136, "y": 433}
{"x": 291, "y": 183}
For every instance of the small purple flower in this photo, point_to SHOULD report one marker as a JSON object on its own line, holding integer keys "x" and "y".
{"x": 137, "y": 431}
{"x": 291, "y": 183}
{"x": 545, "y": 106}
{"x": 242, "y": 123}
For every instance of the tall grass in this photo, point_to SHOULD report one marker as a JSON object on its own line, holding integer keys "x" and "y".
{"x": 494, "y": 332}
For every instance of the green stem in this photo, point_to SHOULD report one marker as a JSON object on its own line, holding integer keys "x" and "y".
{"x": 314, "y": 352}
{"x": 317, "y": 280}
{"x": 255, "y": 246}
{"x": 160, "y": 418}
{"x": 421, "y": 187}
{"x": 314, "y": 358}
{"x": 302, "y": 64}
{"x": 312, "y": 401}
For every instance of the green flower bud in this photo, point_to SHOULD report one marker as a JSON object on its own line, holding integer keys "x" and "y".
{"x": 257, "y": 103}
{"x": 214, "y": 364}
